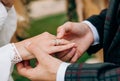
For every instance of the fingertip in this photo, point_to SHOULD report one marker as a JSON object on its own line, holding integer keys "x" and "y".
{"x": 74, "y": 59}
{"x": 21, "y": 69}
{"x": 19, "y": 65}
{"x": 27, "y": 64}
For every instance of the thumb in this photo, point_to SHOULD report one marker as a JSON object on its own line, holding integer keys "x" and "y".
{"x": 65, "y": 28}
{"x": 22, "y": 70}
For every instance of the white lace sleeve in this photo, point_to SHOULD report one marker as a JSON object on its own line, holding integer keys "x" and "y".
{"x": 8, "y": 57}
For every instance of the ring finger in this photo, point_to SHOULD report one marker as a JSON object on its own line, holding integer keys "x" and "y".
{"x": 57, "y": 42}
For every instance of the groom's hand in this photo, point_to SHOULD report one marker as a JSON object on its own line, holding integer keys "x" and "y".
{"x": 78, "y": 33}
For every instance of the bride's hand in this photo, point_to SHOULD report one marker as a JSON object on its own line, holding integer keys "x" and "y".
{"x": 45, "y": 42}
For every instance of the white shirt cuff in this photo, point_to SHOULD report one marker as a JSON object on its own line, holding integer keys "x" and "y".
{"x": 94, "y": 31}
{"x": 61, "y": 71}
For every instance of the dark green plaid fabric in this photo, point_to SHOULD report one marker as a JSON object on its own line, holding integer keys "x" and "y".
{"x": 108, "y": 27}
{"x": 112, "y": 34}
{"x": 93, "y": 72}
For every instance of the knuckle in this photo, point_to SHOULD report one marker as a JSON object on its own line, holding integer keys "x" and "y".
{"x": 31, "y": 46}
{"x": 46, "y": 33}
{"x": 69, "y": 25}
{"x": 68, "y": 22}
{"x": 51, "y": 50}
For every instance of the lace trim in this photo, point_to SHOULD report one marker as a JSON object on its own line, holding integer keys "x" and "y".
{"x": 17, "y": 58}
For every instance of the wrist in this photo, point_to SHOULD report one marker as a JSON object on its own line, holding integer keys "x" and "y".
{"x": 53, "y": 72}
{"x": 57, "y": 68}
{"x": 26, "y": 55}
{"x": 89, "y": 33}
{"x": 94, "y": 32}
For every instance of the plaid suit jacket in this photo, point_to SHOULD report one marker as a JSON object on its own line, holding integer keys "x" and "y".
{"x": 108, "y": 27}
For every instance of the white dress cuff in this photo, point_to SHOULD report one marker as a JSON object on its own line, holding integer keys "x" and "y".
{"x": 61, "y": 71}
{"x": 7, "y": 55}
{"x": 17, "y": 58}
{"x": 94, "y": 31}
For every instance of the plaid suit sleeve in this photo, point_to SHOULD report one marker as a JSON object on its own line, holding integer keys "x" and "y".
{"x": 93, "y": 72}
{"x": 98, "y": 21}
